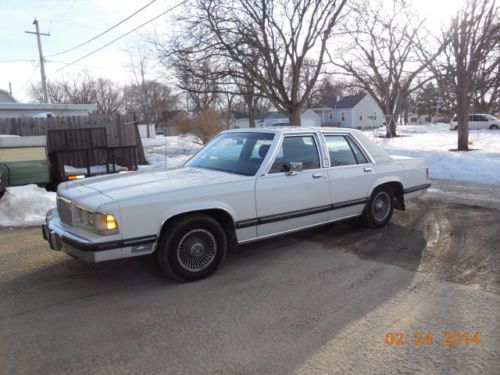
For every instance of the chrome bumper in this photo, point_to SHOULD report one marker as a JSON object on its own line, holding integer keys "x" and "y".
{"x": 89, "y": 251}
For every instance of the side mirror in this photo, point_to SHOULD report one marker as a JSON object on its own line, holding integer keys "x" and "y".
{"x": 293, "y": 167}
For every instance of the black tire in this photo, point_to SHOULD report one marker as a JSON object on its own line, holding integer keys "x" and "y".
{"x": 493, "y": 127}
{"x": 2, "y": 191}
{"x": 378, "y": 211}
{"x": 192, "y": 248}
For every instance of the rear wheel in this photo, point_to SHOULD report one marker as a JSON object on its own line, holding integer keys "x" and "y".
{"x": 378, "y": 211}
{"x": 2, "y": 190}
{"x": 494, "y": 127}
{"x": 192, "y": 248}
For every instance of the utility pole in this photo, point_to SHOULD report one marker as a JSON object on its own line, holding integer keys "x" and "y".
{"x": 42, "y": 66}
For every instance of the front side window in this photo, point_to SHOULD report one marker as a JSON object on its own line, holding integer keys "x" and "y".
{"x": 296, "y": 149}
{"x": 239, "y": 153}
{"x": 343, "y": 151}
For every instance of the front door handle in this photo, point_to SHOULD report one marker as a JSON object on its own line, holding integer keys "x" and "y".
{"x": 317, "y": 175}
{"x": 368, "y": 169}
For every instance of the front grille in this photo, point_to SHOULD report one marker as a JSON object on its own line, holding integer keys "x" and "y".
{"x": 64, "y": 210}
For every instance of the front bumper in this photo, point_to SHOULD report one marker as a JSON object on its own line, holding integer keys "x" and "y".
{"x": 88, "y": 250}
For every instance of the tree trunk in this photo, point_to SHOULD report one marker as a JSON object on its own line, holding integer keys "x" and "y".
{"x": 294, "y": 117}
{"x": 251, "y": 118}
{"x": 463, "y": 124}
{"x": 390, "y": 123}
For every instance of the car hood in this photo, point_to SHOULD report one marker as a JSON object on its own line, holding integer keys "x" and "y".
{"x": 129, "y": 185}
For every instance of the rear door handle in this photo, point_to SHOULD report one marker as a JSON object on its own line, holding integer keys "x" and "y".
{"x": 367, "y": 169}
{"x": 317, "y": 175}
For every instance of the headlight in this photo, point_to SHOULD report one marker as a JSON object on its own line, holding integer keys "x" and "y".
{"x": 99, "y": 222}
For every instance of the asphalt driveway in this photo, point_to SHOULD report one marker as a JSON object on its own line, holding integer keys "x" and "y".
{"x": 318, "y": 302}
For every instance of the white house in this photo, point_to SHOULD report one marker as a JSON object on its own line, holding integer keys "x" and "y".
{"x": 308, "y": 118}
{"x": 359, "y": 111}
{"x": 9, "y": 107}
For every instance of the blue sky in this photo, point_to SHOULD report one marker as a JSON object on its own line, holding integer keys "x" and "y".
{"x": 71, "y": 22}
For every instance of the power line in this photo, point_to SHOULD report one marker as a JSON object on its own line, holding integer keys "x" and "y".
{"x": 52, "y": 24}
{"x": 30, "y": 76}
{"x": 104, "y": 32}
{"x": 120, "y": 37}
{"x": 16, "y": 60}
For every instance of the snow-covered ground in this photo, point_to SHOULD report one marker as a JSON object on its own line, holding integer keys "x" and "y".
{"x": 24, "y": 206}
{"x": 27, "y": 205}
{"x": 433, "y": 143}
{"x": 169, "y": 152}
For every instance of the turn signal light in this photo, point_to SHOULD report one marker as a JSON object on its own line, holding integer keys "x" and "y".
{"x": 110, "y": 222}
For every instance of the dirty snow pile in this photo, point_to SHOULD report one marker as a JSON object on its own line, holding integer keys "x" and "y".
{"x": 172, "y": 151}
{"x": 433, "y": 142}
{"x": 24, "y": 206}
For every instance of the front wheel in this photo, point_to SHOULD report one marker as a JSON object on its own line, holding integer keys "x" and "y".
{"x": 192, "y": 248}
{"x": 378, "y": 211}
{"x": 494, "y": 127}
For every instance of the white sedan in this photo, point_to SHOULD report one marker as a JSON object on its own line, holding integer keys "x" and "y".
{"x": 245, "y": 185}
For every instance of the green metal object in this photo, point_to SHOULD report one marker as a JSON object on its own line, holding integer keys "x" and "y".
{"x": 23, "y": 160}
{"x": 24, "y": 172}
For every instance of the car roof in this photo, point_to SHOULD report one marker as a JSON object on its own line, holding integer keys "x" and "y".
{"x": 290, "y": 130}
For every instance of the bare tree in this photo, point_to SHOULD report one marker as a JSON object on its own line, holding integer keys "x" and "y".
{"x": 267, "y": 41}
{"x": 382, "y": 54}
{"x": 83, "y": 89}
{"x": 145, "y": 96}
{"x": 468, "y": 68}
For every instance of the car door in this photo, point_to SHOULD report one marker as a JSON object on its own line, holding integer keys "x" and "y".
{"x": 482, "y": 122}
{"x": 288, "y": 201}
{"x": 350, "y": 175}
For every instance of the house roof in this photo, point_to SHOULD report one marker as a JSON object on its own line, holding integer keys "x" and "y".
{"x": 6, "y": 97}
{"x": 239, "y": 115}
{"x": 47, "y": 106}
{"x": 349, "y": 101}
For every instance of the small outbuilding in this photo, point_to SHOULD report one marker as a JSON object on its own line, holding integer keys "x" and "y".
{"x": 11, "y": 108}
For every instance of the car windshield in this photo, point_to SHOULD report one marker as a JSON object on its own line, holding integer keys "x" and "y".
{"x": 239, "y": 153}
{"x": 490, "y": 117}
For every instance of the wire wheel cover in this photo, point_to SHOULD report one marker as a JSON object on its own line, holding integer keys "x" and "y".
{"x": 196, "y": 250}
{"x": 381, "y": 206}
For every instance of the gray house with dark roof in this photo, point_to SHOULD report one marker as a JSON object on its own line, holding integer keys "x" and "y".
{"x": 358, "y": 111}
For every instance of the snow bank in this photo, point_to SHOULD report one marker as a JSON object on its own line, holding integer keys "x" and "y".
{"x": 25, "y": 206}
{"x": 433, "y": 142}
{"x": 169, "y": 152}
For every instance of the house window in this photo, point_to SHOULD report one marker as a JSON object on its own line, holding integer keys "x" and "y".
{"x": 330, "y": 115}
{"x": 361, "y": 116}
{"x": 342, "y": 116}
{"x": 375, "y": 116}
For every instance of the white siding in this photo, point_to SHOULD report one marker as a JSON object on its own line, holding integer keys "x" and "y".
{"x": 367, "y": 114}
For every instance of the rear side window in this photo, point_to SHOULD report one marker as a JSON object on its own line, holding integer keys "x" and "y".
{"x": 343, "y": 151}
{"x": 360, "y": 157}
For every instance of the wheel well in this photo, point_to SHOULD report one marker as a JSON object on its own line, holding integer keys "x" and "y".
{"x": 223, "y": 218}
{"x": 399, "y": 197}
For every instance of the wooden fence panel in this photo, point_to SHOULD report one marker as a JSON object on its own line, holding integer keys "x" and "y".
{"x": 119, "y": 131}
